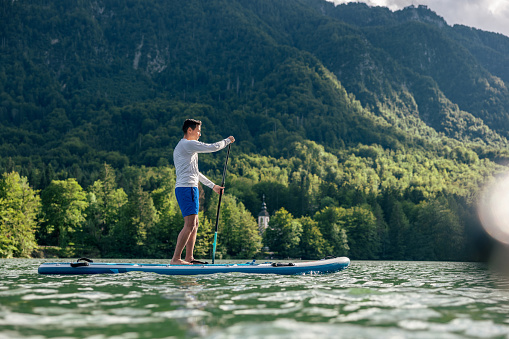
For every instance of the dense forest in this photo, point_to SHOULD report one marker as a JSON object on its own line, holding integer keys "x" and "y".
{"x": 370, "y": 132}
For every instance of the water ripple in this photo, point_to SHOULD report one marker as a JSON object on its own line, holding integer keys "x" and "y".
{"x": 369, "y": 300}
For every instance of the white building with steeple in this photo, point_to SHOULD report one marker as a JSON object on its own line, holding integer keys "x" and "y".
{"x": 263, "y": 218}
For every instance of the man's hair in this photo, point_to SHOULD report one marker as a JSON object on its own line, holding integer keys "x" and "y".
{"x": 190, "y": 123}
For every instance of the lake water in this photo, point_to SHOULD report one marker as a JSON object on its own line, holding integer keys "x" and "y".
{"x": 368, "y": 300}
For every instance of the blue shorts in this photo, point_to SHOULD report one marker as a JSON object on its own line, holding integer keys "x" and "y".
{"x": 188, "y": 199}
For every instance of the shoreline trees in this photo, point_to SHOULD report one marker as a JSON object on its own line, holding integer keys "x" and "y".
{"x": 133, "y": 213}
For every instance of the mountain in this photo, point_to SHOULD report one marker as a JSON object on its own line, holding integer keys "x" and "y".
{"x": 66, "y": 66}
{"x": 438, "y": 65}
{"x": 326, "y": 98}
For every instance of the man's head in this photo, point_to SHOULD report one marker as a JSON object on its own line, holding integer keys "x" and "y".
{"x": 192, "y": 129}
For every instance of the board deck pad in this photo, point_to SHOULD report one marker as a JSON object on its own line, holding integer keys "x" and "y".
{"x": 305, "y": 267}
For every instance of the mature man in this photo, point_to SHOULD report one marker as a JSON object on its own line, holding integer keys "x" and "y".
{"x": 185, "y": 158}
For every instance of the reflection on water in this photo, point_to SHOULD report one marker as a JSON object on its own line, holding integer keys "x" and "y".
{"x": 368, "y": 300}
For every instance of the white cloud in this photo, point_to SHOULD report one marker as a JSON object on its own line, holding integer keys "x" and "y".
{"x": 488, "y": 15}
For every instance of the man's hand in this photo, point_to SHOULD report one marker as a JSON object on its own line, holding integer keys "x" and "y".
{"x": 218, "y": 189}
{"x": 232, "y": 139}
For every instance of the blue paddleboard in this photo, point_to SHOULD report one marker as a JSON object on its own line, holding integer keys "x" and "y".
{"x": 89, "y": 267}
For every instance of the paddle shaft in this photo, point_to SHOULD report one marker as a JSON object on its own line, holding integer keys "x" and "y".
{"x": 219, "y": 205}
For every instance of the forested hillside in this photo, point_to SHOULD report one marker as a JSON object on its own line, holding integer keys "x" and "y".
{"x": 370, "y": 132}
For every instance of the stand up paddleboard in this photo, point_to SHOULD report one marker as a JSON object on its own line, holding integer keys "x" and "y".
{"x": 87, "y": 266}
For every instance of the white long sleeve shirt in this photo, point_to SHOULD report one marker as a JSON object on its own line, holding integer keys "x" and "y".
{"x": 185, "y": 158}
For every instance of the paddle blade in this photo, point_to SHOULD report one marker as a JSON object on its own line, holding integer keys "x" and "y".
{"x": 214, "y": 247}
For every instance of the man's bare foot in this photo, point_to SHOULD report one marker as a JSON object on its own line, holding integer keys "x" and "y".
{"x": 179, "y": 262}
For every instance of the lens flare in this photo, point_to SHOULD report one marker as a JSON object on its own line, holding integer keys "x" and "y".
{"x": 493, "y": 209}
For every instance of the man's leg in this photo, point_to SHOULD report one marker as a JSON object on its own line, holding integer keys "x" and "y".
{"x": 190, "y": 227}
{"x": 190, "y": 243}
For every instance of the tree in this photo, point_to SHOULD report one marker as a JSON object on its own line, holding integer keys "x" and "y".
{"x": 398, "y": 232}
{"x": 312, "y": 243}
{"x": 170, "y": 221}
{"x": 105, "y": 202}
{"x": 361, "y": 228}
{"x": 331, "y": 224}
{"x": 238, "y": 230}
{"x": 440, "y": 232}
{"x": 19, "y": 207}
{"x": 381, "y": 230}
{"x": 283, "y": 234}
{"x": 138, "y": 217}
{"x": 63, "y": 206}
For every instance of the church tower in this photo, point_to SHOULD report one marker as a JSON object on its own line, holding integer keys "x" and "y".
{"x": 263, "y": 218}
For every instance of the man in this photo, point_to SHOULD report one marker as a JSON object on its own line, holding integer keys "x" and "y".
{"x": 185, "y": 158}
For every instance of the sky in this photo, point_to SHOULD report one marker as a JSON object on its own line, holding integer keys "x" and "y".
{"x": 488, "y": 15}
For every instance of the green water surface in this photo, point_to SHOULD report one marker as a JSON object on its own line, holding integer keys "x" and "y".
{"x": 368, "y": 300}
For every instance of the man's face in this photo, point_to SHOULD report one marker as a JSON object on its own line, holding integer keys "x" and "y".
{"x": 194, "y": 134}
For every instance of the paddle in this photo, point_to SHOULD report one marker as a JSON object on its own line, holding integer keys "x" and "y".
{"x": 219, "y": 205}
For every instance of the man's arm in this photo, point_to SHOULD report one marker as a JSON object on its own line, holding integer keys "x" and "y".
{"x": 201, "y": 147}
{"x": 204, "y": 180}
